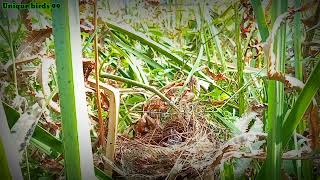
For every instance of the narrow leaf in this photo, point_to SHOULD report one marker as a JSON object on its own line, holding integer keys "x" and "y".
{"x": 301, "y": 105}
{"x": 75, "y": 120}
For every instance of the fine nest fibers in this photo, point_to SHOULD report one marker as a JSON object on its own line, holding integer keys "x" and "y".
{"x": 184, "y": 145}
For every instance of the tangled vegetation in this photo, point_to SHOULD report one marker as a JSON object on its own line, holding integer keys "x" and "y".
{"x": 161, "y": 89}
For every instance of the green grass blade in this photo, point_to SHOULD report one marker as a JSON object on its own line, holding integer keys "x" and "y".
{"x": 259, "y": 15}
{"x": 90, "y": 39}
{"x": 134, "y": 71}
{"x": 214, "y": 34}
{"x": 158, "y": 47}
{"x": 276, "y": 98}
{"x": 297, "y": 35}
{"x": 42, "y": 139}
{"x": 264, "y": 34}
{"x": 140, "y": 55}
{"x": 144, "y": 86}
{"x": 5, "y": 167}
{"x": 228, "y": 171}
{"x": 9, "y": 156}
{"x": 146, "y": 40}
{"x": 203, "y": 35}
{"x": 227, "y": 123}
{"x": 301, "y": 105}
{"x": 75, "y": 120}
{"x": 122, "y": 72}
{"x": 297, "y": 39}
{"x": 191, "y": 73}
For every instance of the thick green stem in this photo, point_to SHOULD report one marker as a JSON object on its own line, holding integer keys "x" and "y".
{"x": 75, "y": 121}
{"x": 276, "y": 98}
{"x": 297, "y": 33}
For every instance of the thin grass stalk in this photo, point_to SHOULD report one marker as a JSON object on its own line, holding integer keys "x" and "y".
{"x": 160, "y": 48}
{"x": 75, "y": 121}
{"x": 306, "y": 169}
{"x": 214, "y": 34}
{"x": 297, "y": 35}
{"x": 264, "y": 34}
{"x": 204, "y": 39}
{"x": 27, "y": 163}
{"x": 190, "y": 74}
{"x": 276, "y": 98}
{"x": 136, "y": 83}
{"x": 9, "y": 156}
{"x": 102, "y": 142}
{"x": 240, "y": 62}
{"x": 298, "y": 66}
{"x": 14, "y": 64}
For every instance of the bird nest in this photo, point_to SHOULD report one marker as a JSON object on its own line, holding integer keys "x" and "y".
{"x": 183, "y": 145}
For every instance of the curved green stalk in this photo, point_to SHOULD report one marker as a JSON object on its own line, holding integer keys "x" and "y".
{"x": 135, "y": 83}
{"x": 191, "y": 73}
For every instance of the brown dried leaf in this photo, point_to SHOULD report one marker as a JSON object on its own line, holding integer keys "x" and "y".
{"x": 153, "y": 2}
{"x": 216, "y": 77}
{"x": 105, "y": 104}
{"x": 33, "y": 43}
{"x": 88, "y": 66}
{"x": 314, "y": 126}
{"x": 145, "y": 124}
{"x": 156, "y": 104}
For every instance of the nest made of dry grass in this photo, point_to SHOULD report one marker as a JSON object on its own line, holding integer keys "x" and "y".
{"x": 184, "y": 146}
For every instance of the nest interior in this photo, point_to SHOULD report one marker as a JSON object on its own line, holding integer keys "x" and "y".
{"x": 183, "y": 145}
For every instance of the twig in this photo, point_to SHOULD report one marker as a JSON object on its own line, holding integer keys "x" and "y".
{"x": 97, "y": 87}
